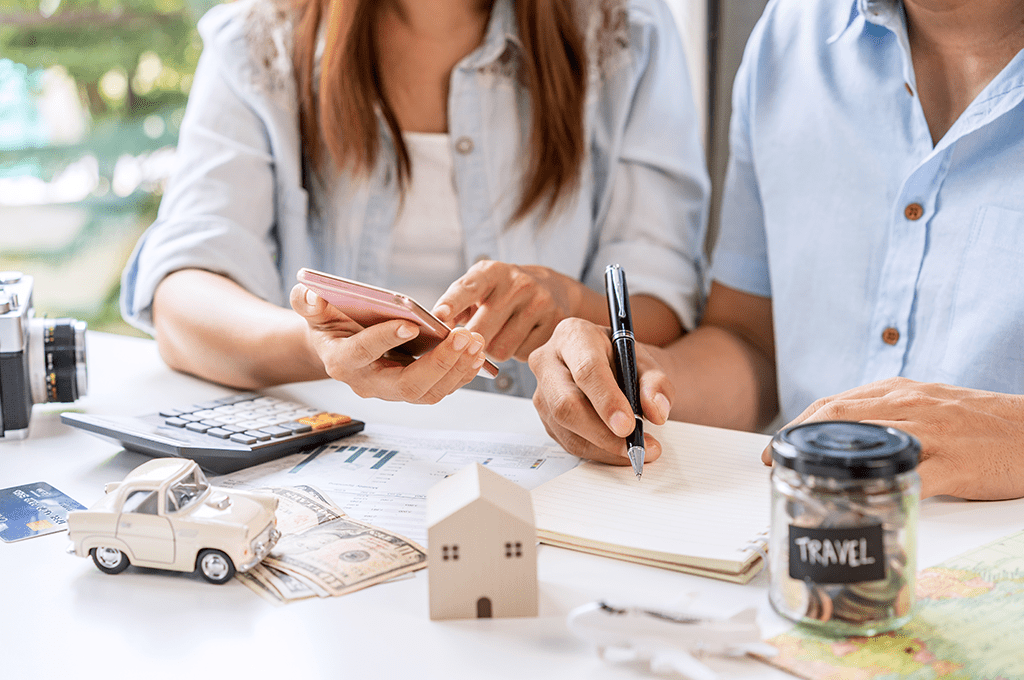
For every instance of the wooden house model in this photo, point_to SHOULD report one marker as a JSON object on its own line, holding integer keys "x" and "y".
{"x": 481, "y": 547}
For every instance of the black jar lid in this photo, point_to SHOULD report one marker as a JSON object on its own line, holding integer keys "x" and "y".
{"x": 846, "y": 450}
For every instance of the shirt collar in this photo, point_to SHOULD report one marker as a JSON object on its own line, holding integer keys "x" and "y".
{"x": 886, "y": 13}
{"x": 500, "y": 36}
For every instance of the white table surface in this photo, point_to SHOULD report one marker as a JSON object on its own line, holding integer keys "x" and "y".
{"x": 59, "y": 614}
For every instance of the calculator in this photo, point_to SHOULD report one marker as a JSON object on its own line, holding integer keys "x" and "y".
{"x": 222, "y": 435}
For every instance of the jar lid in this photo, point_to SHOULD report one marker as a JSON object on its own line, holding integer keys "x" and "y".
{"x": 846, "y": 450}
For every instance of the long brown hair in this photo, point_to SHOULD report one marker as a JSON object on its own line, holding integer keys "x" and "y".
{"x": 337, "y": 115}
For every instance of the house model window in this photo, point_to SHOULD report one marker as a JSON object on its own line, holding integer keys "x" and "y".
{"x": 485, "y": 522}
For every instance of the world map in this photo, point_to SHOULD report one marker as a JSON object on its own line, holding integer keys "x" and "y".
{"x": 968, "y": 623}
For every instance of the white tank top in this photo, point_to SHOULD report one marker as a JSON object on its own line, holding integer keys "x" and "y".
{"x": 427, "y": 252}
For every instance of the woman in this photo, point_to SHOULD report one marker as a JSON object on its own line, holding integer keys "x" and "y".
{"x": 492, "y": 156}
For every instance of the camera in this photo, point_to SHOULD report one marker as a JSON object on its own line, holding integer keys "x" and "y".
{"x": 41, "y": 360}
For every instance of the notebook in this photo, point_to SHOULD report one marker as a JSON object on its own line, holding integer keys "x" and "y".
{"x": 702, "y": 508}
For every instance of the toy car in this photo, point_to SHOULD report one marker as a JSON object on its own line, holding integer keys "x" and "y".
{"x": 166, "y": 515}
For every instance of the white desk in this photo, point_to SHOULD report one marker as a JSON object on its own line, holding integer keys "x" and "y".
{"x": 59, "y": 614}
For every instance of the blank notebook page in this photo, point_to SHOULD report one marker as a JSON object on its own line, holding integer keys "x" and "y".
{"x": 707, "y": 497}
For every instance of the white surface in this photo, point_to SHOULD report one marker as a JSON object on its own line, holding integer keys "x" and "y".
{"x": 59, "y": 613}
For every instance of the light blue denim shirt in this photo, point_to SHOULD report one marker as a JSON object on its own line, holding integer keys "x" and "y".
{"x": 236, "y": 206}
{"x": 884, "y": 254}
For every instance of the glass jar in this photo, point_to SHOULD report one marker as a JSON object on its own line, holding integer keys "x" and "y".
{"x": 843, "y": 544}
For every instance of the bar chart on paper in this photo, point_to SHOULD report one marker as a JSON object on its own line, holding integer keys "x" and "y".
{"x": 381, "y": 476}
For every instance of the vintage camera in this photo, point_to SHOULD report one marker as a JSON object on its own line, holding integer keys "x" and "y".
{"x": 41, "y": 360}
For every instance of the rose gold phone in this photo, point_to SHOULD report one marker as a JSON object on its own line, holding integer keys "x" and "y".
{"x": 368, "y": 305}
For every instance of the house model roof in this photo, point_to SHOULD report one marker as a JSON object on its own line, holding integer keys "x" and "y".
{"x": 477, "y": 483}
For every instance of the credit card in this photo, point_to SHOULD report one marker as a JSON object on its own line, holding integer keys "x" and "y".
{"x": 33, "y": 510}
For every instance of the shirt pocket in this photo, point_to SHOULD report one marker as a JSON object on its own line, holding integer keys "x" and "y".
{"x": 985, "y": 347}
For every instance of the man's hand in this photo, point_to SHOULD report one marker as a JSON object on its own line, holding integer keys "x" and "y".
{"x": 972, "y": 441}
{"x": 579, "y": 400}
{"x": 360, "y": 357}
{"x": 514, "y": 307}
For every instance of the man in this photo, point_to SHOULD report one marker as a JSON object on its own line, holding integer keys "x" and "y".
{"x": 871, "y": 248}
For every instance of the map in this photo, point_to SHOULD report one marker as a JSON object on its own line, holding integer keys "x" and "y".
{"x": 967, "y": 624}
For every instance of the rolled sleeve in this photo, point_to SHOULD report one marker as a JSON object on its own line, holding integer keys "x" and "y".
{"x": 219, "y": 210}
{"x": 657, "y": 210}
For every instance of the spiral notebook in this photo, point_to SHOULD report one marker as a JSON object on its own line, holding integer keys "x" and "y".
{"x": 702, "y": 508}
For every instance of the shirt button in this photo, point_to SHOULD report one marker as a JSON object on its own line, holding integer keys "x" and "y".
{"x": 913, "y": 212}
{"x": 503, "y": 383}
{"x": 464, "y": 145}
{"x": 890, "y": 336}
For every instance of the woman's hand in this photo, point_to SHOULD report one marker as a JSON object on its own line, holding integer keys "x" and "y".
{"x": 363, "y": 357}
{"x": 972, "y": 441}
{"x": 514, "y": 307}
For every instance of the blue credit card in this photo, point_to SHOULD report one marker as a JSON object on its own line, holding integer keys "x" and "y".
{"x": 33, "y": 510}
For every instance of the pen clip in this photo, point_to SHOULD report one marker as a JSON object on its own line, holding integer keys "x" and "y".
{"x": 618, "y": 290}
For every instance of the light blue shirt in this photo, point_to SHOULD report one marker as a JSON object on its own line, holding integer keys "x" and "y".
{"x": 236, "y": 205}
{"x": 829, "y": 148}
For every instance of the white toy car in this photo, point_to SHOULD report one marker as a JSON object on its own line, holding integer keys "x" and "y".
{"x": 166, "y": 515}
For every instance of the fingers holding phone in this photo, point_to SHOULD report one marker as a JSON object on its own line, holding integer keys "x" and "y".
{"x": 514, "y": 307}
{"x": 365, "y": 358}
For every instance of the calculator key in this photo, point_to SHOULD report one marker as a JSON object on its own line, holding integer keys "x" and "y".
{"x": 219, "y": 433}
{"x": 235, "y": 398}
{"x": 242, "y": 438}
{"x": 190, "y": 417}
{"x": 197, "y": 427}
{"x": 170, "y": 412}
{"x": 259, "y": 434}
{"x": 324, "y": 420}
{"x": 176, "y": 422}
{"x": 296, "y": 427}
{"x": 275, "y": 431}
{"x": 234, "y": 428}
{"x": 248, "y": 425}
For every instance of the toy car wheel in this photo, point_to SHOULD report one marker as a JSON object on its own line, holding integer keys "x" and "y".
{"x": 109, "y": 560}
{"x": 215, "y": 566}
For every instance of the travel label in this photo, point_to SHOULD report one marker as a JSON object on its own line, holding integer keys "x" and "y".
{"x": 836, "y": 555}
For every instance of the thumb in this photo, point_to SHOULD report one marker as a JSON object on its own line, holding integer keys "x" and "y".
{"x": 306, "y": 302}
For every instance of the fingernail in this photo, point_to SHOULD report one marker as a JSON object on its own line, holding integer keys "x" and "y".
{"x": 311, "y": 298}
{"x": 460, "y": 341}
{"x": 442, "y": 311}
{"x": 479, "y": 361}
{"x": 621, "y": 422}
{"x": 406, "y": 331}
{"x": 661, "y": 402}
{"x": 475, "y": 346}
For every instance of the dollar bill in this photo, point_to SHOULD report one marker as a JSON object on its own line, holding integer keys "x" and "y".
{"x": 301, "y": 508}
{"x": 344, "y": 555}
{"x": 324, "y": 553}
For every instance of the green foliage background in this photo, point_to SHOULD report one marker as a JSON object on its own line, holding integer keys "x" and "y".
{"x": 151, "y": 48}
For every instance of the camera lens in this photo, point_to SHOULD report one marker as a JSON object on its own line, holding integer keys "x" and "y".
{"x": 57, "y": 360}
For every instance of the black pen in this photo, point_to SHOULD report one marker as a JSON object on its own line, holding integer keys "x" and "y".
{"x": 623, "y": 350}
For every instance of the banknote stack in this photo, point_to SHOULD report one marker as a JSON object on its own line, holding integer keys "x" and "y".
{"x": 323, "y": 552}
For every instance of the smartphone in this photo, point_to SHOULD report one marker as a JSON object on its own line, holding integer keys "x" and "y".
{"x": 368, "y": 305}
